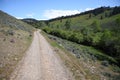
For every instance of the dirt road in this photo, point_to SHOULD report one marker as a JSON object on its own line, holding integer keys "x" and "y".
{"x": 40, "y": 63}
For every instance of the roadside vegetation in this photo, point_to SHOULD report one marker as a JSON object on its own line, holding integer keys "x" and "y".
{"x": 82, "y": 60}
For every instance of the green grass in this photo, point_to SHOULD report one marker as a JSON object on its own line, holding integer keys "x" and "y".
{"x": 98, "y": 54}
{"x": 84, "y": 20}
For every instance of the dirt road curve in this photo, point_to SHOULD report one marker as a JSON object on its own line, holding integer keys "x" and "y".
{"x": 40, "y": 63}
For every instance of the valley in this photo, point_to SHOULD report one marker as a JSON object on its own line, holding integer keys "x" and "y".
{"x": 84, "y": 46}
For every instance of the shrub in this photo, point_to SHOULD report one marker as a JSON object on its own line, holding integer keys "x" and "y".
{"x": 104, "y": 40}
{"x": 10, "y": 32}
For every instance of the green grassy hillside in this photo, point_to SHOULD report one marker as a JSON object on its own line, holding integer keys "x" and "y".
{"x": 15, "y": 37}
{"x": 99, "y": 28}
{"x": 80, "y": 21}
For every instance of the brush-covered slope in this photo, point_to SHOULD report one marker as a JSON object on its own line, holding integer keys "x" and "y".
{"x": 15, "y": 37}
{"x": 99, "y": 28}
{"x": 105, "y": 16}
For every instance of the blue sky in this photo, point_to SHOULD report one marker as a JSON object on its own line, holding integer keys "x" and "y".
{"x": 47, "y": 9}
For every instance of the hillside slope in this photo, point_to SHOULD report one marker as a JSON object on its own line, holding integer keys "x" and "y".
{"x": 99, "y": 28}
{"x": 15, "y": 37}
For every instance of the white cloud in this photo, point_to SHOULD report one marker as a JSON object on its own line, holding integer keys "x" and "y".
{"x": 87, "y": 9}
{"x": 30, "y": 15}
{"x": 57, "y": 13}
{"x": 19, "y": 17}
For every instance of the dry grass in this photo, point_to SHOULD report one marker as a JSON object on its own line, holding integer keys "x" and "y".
{"x": 12, "y": 48}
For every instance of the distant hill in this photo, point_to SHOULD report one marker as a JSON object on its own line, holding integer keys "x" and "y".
{"x": 30, "y": 20}
{"x": 35, "y": 23}
{"x": 15, "y": 37}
